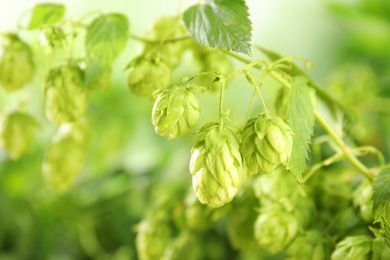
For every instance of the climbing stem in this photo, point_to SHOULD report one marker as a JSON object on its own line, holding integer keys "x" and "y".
{"x": 344, "y": 148}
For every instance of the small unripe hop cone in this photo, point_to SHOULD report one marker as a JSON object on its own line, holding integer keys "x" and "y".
{"x": 266, "y": 143}
{"x": 216, "y": 165}
{"x": 16, "y": 64}
{"x": 66, "y": 96}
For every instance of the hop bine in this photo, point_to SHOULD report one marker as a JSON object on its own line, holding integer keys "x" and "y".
{"x": 266, "y": 143}
{"x": 216, "y": 165}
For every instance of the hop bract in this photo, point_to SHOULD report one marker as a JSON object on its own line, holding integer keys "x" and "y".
{"x": 175, "y": 111}
{"x": 148, "y": 73}
{"x": 308, "y": 246}
{"x": 64, "y": 157}
{"x": 66, "y": 97}
{"x": 17, "y": 133}
{"x": 16, "y": 64}
{"x": 216, "y": 165}
{"x": 153, "y": 237}
{"x": 353, "y": 247}
{"x": 266, "y": 143}
{"x": 275, "y": 228}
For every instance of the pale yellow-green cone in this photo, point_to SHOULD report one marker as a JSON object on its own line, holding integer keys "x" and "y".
{"x": 17, "y": 132}
{"x": 64, "y": 157}
{"x": 154, "y": 235}
{"x": 216, "y": 165}
{"x": 16, "y": 64}
{"x": 266, "y": 143}
{"x": 183, "y": 247}
{"x": 310, "y": 245}
{"x": 147, "y": 74}
{"x": 66, "y": 97}
{"x": 275, "y": 228}
{"x": 175, "y": 111}
{"x": 353, "y": 248}
{"x": 165, "y": 28}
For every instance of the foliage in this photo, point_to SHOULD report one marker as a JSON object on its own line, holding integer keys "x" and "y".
{"x": 78, "y": 179}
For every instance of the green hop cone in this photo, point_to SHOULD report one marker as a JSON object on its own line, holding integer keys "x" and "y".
{"x": 183, "y": 247}
{"x": 154, "y": 235}
{"x": 266, "y": 143}
{"x": 66, "y": 96}
{"x": 275, "y": 228}
{"x": 148, "y": 73}
{"x": 64, "y": 158}
{"x": 165, "y": 28}
{"x": 17, "y": 133}
{"x": 175, "y": 111}
{"x": 310, "y": 245}
{"x": 16, "y": 64}
{"x": 353, "y": 248}
{"x": 216, "y": 165}
{"x": 362, "y": 198}
{"x": 52, "y": 38}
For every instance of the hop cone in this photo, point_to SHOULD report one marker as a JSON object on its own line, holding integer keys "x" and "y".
{"x": 148, "y": 73}
{"x": 65, "y": 156}
{"x": 167, "y": 27}
{"x": 175, "y": 111}
{"x": 66, "y": 98}
{"x": 16, "y": 64}
{"x": 275, "y": 228}
{"x": 17, "y": 133}
{"x": 215, "y": 165}
{"x": 266, "y": 143}
{"x": 309, "y": 246}
{"x": 153, "y": 237}
{"x": 183, "y": 247}
{"x": 353, "y": 248}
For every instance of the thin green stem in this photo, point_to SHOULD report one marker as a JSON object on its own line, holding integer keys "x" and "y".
{"x": 344, "y": 148}
{"x": 334, "y": 158}
{"x": 169, "y": 40}
{"x": 248, "y": 114}
{"x": 99, "y": 13}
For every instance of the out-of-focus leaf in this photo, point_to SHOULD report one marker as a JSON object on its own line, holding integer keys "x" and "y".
{"x": 46, "y": 14}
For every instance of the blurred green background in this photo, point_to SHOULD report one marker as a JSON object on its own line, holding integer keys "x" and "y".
{"x": 129, "y": 168}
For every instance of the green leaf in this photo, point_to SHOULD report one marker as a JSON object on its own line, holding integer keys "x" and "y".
{"x": 381, "y": 203}
{"x": 46, "y": 14}
{"x": 301, "y": 121}
{"x": 223, "y": 24}
{"x": 106, "y": 38}
{"x": 381, "y": 196}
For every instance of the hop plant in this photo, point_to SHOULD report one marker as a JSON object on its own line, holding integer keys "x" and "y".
{"x": 16, "y": 63}
{"x": 175, "y": 111}
{"x": 17, "y": 133}
{"x": 183, "y": 247}
{"x": 65, "y": 156}
{"x": 353, "y": 247}
{"x": 148, "y": 73}
{"x": 66, "y": 98}
{"x": 266, "y": 143}
{"x": 214, "y": 60}
{"x": 275, "y": 228}
{"x": 216, "y": 165}
{"x": 308, "y": 246}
